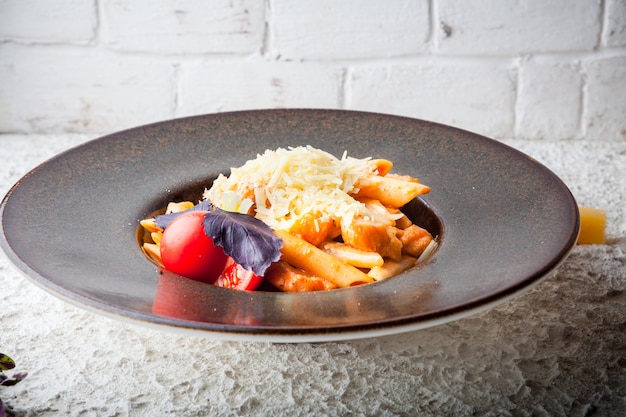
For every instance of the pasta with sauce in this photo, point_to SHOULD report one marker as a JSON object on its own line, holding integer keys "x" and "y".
{"x": 339, "y": 218}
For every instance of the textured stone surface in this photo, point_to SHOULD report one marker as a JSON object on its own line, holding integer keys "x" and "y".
{"x": 557, "y": 350}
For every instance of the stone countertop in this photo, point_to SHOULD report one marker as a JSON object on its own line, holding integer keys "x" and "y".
{"x": 559, "y": 349}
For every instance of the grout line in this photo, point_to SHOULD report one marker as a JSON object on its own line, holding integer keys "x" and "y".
{"x": 603, "y": 16}
{"x": 516, "y": 79}
{"x": 582, "y": 110}
{"x": 267, "y": 35}
{"x": 434, "y": 25}
{"x": 98, "y": 34}
{"x": 345, "y": 88}
{"x": 177, "y": 89}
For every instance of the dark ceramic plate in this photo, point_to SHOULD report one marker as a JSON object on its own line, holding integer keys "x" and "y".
{"x": 504, "y": 223}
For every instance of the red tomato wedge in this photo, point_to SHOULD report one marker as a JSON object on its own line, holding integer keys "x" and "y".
{"x": 186, "y": 250}
{"x": 237, "y": 277}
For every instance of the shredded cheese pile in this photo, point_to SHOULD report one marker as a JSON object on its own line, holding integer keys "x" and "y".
{"x": 286, "y": 184}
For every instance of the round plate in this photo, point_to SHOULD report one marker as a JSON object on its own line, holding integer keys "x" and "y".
{"x": 504, "y": 223}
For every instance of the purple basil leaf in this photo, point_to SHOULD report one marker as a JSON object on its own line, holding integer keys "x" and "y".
{"x": 249, "y": 241}
{"x": 164, "y": 220}
{"x": 20, "y": 376}
{"x": 14, "y": 379}
{"x": 6, "y": 362}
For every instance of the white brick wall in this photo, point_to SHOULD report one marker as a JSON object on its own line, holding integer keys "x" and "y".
{"x": 549, "y": 100}
{"x": 529, "y": 69}
{"x": 183, "y": 27}
{"x": 615, "y": 25}
{"x": 81, "y": 90}
{"x": 496, "y": 27}
{"x": 207, "y": 87}
{"x": 447, "y": 91}
{"x": 48, "y": 22}
{"x": 605, "y": 78}
{"x": 339, "y": 30}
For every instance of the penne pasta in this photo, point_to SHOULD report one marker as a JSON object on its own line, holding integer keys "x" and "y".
{"x": 311, "y": 259}
{"x": 289, "y": 279}
{"x": 381, "y": 166}
{"x": 391, "y": 268}
{"x": 391, "y": 191}
{"x": 150, "y": 225}
{"x": 153, "y": 252}
{"x": 178, "y": 207}
{"x": 353, "y": 256}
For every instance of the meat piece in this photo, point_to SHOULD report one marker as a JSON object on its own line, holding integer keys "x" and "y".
{"x": 414, "y": 240}
{"x": 313, "y": 227}
{"x": 373, "y": 237}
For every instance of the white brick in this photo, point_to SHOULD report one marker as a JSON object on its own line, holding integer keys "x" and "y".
{"x": 549, "y": 100}
{"x": 469, "y": 95}
{"x": 214, "y": 87}
{"x": 55, "y": 89}
{"x": 184, "y": 26}
{"x": 50, "y": 21}
{"x": 605, "y": 102}
{"x": 496, "y": 27}
{"x": 615, "y": 25}
{"x": 331, "y": 29}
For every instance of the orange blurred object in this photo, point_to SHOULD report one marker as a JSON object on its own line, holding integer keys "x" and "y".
{"x": 592, "y": 226}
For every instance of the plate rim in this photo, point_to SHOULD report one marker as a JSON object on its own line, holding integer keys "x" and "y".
{"x": 301, "y": 334}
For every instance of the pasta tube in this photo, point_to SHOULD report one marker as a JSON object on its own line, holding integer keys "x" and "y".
{"x": 311, "y": 259}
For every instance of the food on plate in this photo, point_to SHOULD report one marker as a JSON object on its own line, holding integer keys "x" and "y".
{"x": 298, "y": 219}
{"x": 592, "y": 226}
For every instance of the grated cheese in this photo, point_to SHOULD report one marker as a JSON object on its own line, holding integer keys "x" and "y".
{"x": 286, "y": 184}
